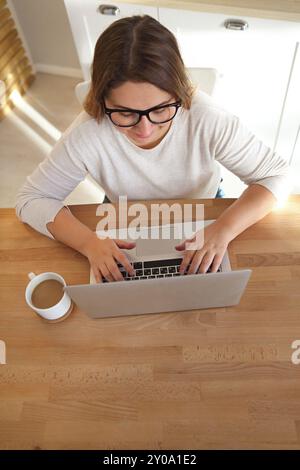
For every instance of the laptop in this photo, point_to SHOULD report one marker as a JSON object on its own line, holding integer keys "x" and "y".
{"x": 157, "y": 286}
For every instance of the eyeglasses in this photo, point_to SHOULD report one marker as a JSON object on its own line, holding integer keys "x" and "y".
{"x": 131, "y": 117}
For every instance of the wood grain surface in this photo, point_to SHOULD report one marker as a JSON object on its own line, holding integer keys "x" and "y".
{"x": 219, "y": 378}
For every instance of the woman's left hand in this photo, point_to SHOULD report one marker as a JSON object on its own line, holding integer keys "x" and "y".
{"x": 216, "y": 240}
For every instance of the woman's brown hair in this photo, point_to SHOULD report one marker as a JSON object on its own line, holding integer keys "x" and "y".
{"x": 137, "y": 49}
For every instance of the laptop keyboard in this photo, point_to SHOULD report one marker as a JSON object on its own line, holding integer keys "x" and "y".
{"x": 154, "y": 269}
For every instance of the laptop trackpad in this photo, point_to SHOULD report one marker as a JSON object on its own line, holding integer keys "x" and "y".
{"x": 156, "y": 247}
{"x": 162, "y": 240}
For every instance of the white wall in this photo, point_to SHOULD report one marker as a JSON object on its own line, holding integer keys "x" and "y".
{"x": 47, "y": 31}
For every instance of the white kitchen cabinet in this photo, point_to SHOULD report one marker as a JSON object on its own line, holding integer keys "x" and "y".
{"x": 87, "y": 23}
{"x": 254, "y": 65}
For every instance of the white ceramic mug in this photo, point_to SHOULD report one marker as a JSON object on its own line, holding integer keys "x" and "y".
{"x": 62, "y": 309}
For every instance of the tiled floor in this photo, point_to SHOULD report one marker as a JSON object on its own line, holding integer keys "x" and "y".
{"x": 29, "y": 132}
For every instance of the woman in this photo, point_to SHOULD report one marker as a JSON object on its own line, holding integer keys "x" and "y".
{"x": 146, "y": 134}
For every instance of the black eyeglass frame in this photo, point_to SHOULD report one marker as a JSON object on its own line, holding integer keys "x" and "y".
{"x": 146, "y": 112}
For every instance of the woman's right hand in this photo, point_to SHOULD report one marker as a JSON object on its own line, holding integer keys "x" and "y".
{"x": 103, "y": 255}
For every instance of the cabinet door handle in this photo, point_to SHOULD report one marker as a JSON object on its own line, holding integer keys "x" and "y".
{"x": 108, "y": 10}
{"x": 237, "y": 25}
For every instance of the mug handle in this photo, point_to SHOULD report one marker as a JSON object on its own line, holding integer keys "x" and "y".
{"x": 31, "y": 275}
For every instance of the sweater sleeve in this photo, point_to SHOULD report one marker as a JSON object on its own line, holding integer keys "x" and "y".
{"x": 41, "y": 197}
{"x": 249, "y": 158}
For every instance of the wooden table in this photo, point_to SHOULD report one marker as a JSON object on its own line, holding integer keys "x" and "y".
{"x": 218, "y": 378}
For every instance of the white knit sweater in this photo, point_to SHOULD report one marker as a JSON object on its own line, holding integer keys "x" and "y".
{"x": 185, "y": 164}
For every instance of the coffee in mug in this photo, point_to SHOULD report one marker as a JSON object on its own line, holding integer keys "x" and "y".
{"x": 47, "y": 293}
{"x": 46, "y": 296}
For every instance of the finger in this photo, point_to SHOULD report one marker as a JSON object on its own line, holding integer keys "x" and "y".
{"x": 97, "y": 274}
{"x": 206, "y": 262}
{"x": 186, "y": 261}
{"x": 195, "y": 262}
{"x": 105, "y": 273}
{"x": 124, "y": 244}
{"x": 121, "y": 258}
{"x": 114, "y": 270}
{"x": 180, "y": 246}
{"x": 216, "y": 263}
